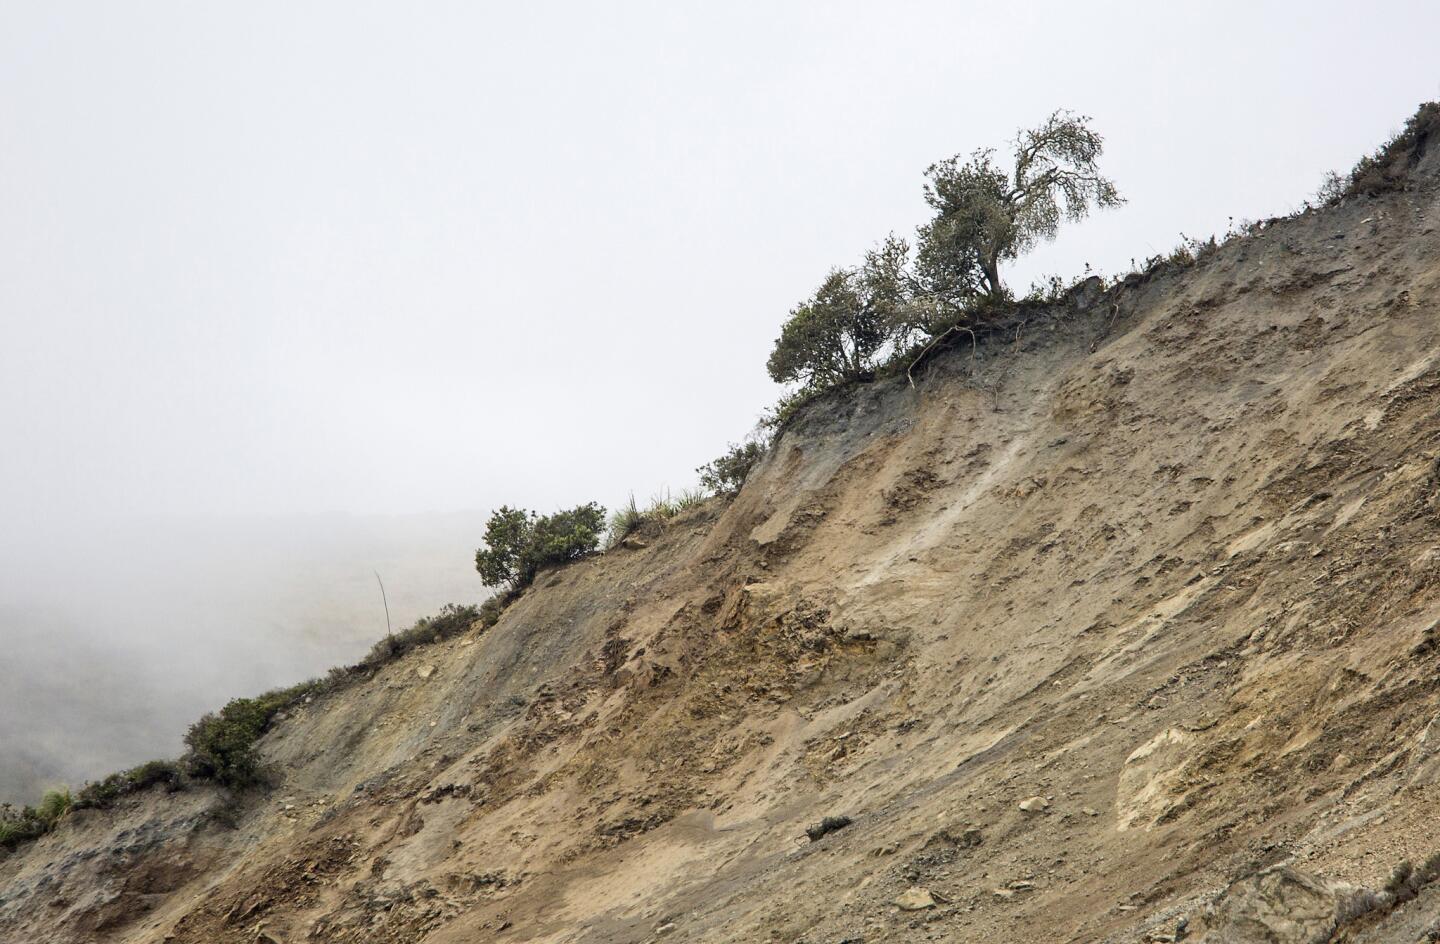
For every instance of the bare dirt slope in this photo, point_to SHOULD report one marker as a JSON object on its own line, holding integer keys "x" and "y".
{"x": 1127, "y": 624}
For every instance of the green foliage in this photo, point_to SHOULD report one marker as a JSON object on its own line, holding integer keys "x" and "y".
{"x": 563, "y": 537}
{"x": 986, "y": 215}
{"x": 631, "y": 517}
{"x": 221, "y": 746}
{"x": 725, "y": 475}
{"x": 960, "y": 248}
{"x": 31, "y": 822}
{"x": 834, "y": 336}
{"x": 518, "y": 543}
{"x": 20, "y": 825}
{"x": 55, "y": 804}
{"x": 690, "y": 498}
{"x": 787, "y": 408}
{"x": 1332, "y": 188}
{"x": 1191, "y": 251}
{"x": 507, "y": 536}
{"x": 452, "y": 620}
{"x": 624, "y": 521}
{"x": 491, "y": 609}
{"x": 103, "y": 793}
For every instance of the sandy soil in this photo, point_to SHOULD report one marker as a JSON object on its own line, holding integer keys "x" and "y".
{"x": 1080, "y": 631}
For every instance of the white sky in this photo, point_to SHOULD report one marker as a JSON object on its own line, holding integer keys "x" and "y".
{"x": 393, "y": 257}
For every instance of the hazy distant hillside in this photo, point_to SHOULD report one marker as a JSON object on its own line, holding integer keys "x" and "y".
{"x": 116, "y": 639}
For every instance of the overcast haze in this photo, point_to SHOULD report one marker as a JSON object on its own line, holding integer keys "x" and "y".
{"x": 281, "y": 259}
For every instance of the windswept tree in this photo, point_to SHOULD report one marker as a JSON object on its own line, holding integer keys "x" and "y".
{"x": 835, "y": 335}
{"x": 985, "y": 215}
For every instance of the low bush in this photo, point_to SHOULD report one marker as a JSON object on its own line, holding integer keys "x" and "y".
{"x": 221, "y": 745}
{"x": 31, "y": 822}
{"x": 1388, "y": 169}
{"x": 19, "y": 825}
{"x": 491, "y": 609}
{"x": 624, "y": 521}
{"x": 777, "y": 417}
{"x": 519, "y": 544}
{"x": 55, "y": 804}
{"x": 1052, "y": 290}
{"x": 631, "y": 517}
{"x": 103, "y": 793}
{"x": 725, "y": 475}
{"x": 690, "y": 498}
{"x": 452, "y": 620}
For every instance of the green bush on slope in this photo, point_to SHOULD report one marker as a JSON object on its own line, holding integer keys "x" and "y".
{"x": 519, "y": 543}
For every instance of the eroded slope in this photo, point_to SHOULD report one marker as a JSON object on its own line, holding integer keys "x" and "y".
{"x": 1164, "y": 567}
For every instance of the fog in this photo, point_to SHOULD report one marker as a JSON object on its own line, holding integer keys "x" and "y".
{"x": 118, "y": 636}
{"x": 294, "y": 292}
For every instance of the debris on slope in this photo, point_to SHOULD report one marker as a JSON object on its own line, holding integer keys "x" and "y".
{"x": 1095, "y": 624}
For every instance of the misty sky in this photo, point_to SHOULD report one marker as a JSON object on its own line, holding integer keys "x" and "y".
{"x": 363, "y": 257}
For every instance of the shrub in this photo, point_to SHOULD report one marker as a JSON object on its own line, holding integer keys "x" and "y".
{"x": 1388, "y": 169}
{"x": 221, "y": 746}
{"x": 835, "y": 335}
{"x": 491, "y": 609}
{"x": 31, "y": 822}
{"x": 20, "y": 825}
{"x": 1332, "y": 189}
{"x": 630, "y": 518}
{"x": 507, "y": 535}
{"x": 103, "y": 793}
{"x": 623, "y": 522}
{"x": 563, "y": 537}
{"x": 690, "y": 498}
{"x": 787, "y": 408}
{"x": 452, "y": 620}
{"x": 1052, "y": 290}
{"x": 55, "y": 804}
{"x": 518, "y": 544}
{"x": 725, "y": 475}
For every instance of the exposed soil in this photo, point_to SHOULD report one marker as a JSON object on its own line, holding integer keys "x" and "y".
{"x": 1080, "y": 632}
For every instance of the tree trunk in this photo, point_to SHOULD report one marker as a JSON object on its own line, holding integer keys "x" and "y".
{"x": 991, "y": 267}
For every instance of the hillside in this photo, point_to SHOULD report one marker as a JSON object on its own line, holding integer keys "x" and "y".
{"x": 109, "y": 656}
{"x": 1123, "y": 623}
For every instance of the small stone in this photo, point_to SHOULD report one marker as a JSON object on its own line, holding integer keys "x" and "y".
{"x": 915, "y": 898}
{"x": 1035, "y": 804}
{"x": 425, "y": 671}
{"x": 1089, "y": 812}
